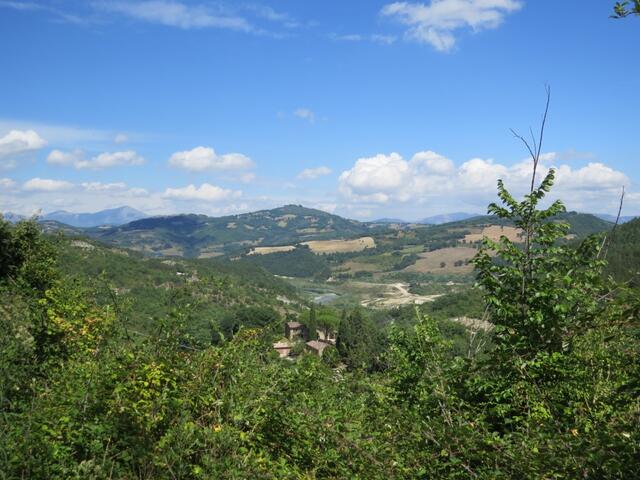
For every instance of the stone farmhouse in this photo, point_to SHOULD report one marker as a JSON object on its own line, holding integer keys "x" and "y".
{"x": 296, "y": 332}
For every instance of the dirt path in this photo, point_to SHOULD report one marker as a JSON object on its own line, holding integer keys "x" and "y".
{"x": 397, "y": 295}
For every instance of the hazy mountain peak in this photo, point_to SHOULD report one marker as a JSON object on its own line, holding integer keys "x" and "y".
{"x": 111, "y": 216}
{"x": 447, "y": 217}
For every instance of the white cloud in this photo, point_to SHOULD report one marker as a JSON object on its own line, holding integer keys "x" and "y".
{"x": 206, "y": 192}
{"x": 313, "y": 173}
{"x": 17, "y": 142}
{"x": 138, "y": 192}
{"x": 49, "y": 195}
{"x": 375, "y": 179}
{"x": 103, "y": 187}
{"x": 432, "y": 162}
{"x": 247, "y": 177}
{"x": 46, "y": 185}
{"x": 23, "y": 6}
{"x": 593, "y": 175}
{"x": 115, "y": 188}
{"x": 7, "y": 183}
{"x": 61, "y": 135}
{"x": 437, "y": 22}
{"x": 176, "y": 14}
{"x": 325, "y": 207}
{"x": 272, "y": 15}
{"x": 76, "y": 159}
{"x": 356, "y": 37}
{"x": 430, "y": 177}
{"x": 383, "y": 39}
{"x": 205, "y": 158}
{"x": 58, "y": 157}
{"x": 120, "y": 138}
{"x": 305, "y": 114}
{"x": 349, "y": 37}
{"x": 106, "y": 160}
{"x": 32, "y": 6}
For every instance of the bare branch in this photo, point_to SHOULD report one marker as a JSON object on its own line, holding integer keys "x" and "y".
{"x": 539, "y": 146}
{"x": 607, "y": 241}
{"x": 523, "y": 140}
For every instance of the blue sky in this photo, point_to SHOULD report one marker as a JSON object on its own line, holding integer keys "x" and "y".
{"x": 363, "y": 108}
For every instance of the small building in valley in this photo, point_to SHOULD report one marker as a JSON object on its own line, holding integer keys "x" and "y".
{"x": 297, "y": 339}
{"x": 317, "y": 346}
{"x": 283, "y": 348}
{"x": 328, "y": 337}
{"x": 293, "y": 330}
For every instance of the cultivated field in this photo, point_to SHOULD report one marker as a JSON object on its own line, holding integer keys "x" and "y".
{"x": 432, "y": 262}
{"x": 341, "y": 246}
{"x": 322, "y": 246}
{"x": 494, "y": 232}
{"x": 268, "y": 250}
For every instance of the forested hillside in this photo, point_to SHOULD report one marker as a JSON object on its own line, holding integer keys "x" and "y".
{"x": 211, "y": 290}
{"x": 194, "y": 235}
{"x": 623, "y": 253}
{"x": 580, "y": 224}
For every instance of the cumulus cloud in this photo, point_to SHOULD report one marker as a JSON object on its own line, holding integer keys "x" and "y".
{"x": 205, "y": 192}
{"x": 593, "y": 175}
{"x": 205, "y": 158}
{"x": 305, "y": 114}
{"x": 46, "y": 185}
{"x": 114, "y": 159}
{"x": 58, "y": 157}
{"x": 313, "y": 173}
{"x": 60, "y": 135}
{"x": 176, "y": 14}
{"x": 77, "y": 159}
{"x": 436, "y": 23}
{"x": 376, "y": 179}
{"x": 387, "y": 179}
{"x": 18, "y": 142}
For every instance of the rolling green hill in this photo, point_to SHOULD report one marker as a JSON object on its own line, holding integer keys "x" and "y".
{"x": 199, "y": 235}
{"x": 580, "y": 224}
{"x": 231, "y": 237}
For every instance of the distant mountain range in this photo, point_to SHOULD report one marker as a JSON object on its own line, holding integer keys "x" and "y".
{"x": 112, "y": 216}
{"x": 447, "y": 218}
{"x": 389, "y": 220}
{"x": 193, "y": 235}
{"x": 434, "y": 220}
{"x": 612, "y": 218}
{"x": 109, "y": 217}
{"x": 13, "y": 217}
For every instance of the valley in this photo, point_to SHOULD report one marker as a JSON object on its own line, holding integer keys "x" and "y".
{"x": 345, "y": 262}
